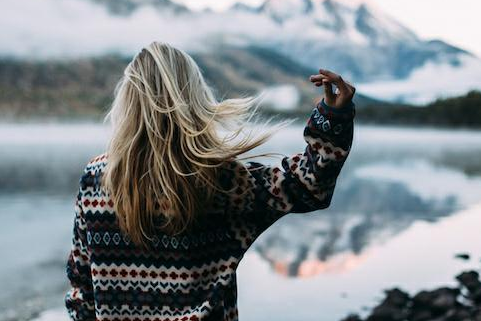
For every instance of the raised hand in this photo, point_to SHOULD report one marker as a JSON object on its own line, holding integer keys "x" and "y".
{"x": 334, "y": 99}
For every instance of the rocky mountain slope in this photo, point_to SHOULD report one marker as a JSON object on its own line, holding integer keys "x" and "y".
{"x": 353, "y": 38}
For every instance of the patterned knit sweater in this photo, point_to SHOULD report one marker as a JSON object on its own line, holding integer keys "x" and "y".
{"x": 193, "y": 276}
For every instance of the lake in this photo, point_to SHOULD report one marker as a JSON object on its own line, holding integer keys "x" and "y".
{"x": 407, "y": 201}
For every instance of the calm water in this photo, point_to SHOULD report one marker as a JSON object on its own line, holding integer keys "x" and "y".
{"x": 406, "y": 202}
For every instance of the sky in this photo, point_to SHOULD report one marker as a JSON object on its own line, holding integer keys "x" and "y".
{"x": 456, "y": 22}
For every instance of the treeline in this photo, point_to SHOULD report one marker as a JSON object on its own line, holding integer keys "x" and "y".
{"x": 463, "y": 111}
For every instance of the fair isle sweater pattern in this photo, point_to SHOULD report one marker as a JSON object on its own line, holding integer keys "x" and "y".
{"x": 192, "y": 277}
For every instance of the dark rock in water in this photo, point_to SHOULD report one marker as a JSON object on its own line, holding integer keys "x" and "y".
{"x": 460, "y": 313}
{"x": 385, "y": 312}
{"x": 396, "y": 297}
{"x": 393, "y": 307}
{"x": 438, "y": 301}
{"x": 352, "y": 317}
{"x": 462, "y": 256}
{"x": 444, "y": 299}
{"x": 462, "y": 303}
{"x": 476, "y": 296}
{"x": 470, "y": 280}
{"x": 421, "y": 315}
{"x": 477, "y": 315}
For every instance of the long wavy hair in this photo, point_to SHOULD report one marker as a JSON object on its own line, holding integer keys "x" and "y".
{"x": 166, "y": 147}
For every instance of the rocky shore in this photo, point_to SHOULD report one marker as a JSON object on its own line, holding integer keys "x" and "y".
{"x": 461, "y": 303}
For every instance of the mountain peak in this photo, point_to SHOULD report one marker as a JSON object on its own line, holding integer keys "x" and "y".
{"x": 372, "y": 22}
{"x": 126, "y": 7}
{"x": 241, "y": 6}
{"x": 332, "y": 10}
{"x": 281, "y": 10}
{"x": 350, "y": 3}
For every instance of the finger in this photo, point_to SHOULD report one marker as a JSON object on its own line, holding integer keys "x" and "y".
{"x": 328, "y": 92}
{"x": 318, "y": 84}
{"x": 353, "y": 89}
{"x": 317, "y": 78}
{"x": 328, "y": 73}
{"x": 349, "y": 85}
{"x": 337, "y": 80}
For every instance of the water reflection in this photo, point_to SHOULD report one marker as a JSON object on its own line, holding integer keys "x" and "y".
{"x": 365, "y": 211}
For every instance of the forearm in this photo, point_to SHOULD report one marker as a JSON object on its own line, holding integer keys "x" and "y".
{"x": 329, "y": 135}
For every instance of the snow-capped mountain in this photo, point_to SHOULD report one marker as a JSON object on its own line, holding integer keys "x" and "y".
{"x": 358, "y": 40}
{"x": 353, "y": 38}
{"x": 350, "y": 37}
{"x": 282, "y": 11}
{"x": 360, "y": 23}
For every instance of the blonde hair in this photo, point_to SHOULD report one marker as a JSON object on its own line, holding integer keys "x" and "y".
{"x": 165, "y": 150}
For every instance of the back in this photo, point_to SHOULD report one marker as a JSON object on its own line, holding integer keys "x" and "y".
{"x": 182, "y": 275}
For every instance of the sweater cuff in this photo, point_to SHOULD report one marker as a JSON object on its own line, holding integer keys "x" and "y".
{"x": 332, "y": 121}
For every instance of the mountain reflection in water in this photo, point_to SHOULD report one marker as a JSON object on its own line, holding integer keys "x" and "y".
{"x": 363, "y": 212}
{"x": 393, "y": 178}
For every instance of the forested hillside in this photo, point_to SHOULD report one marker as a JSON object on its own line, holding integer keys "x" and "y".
{"x": 462, "y": 111}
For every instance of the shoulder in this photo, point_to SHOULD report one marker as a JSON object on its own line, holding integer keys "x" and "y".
{"x": 93, "y": 171}
{"x": 94, "y": 199}
{"x": 96, "y": 164}
{"x": 239, "y": 182}
{"x": 246, "y": 173}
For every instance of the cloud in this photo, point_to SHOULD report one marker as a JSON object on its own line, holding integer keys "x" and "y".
{"x": 77, "y": 28}
{"x": 282, "y": 97}
{"x": 73, "y": 28}
{"x": 428, "y": 83}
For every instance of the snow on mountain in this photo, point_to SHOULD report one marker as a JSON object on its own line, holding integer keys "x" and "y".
{"x": 351, "y": 37}
{"x": 281, "y": 10}
{"x": 126, "y": 7}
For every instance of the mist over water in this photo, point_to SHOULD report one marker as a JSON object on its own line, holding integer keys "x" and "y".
{"x": 395, "y": 219}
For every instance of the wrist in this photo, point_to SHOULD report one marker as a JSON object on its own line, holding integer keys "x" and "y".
{"x": 346, "y": 108}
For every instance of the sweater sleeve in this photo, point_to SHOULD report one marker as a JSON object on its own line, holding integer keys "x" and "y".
{"x": 79, "y": 300}
{"x": 305, "y": 181}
